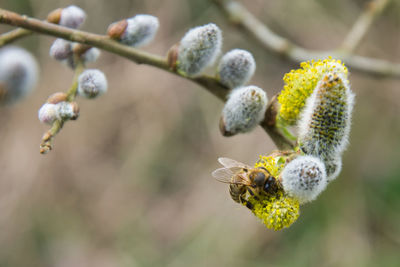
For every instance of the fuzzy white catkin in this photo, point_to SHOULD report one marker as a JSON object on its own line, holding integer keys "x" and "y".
{"x": 48, "y": 113}
{"x": 236, "y": 68}
{"x": 91, "y": 55}
{"x": 72, "y": 17}
{"x": 198, "y": 49}
{"x": 92, "y": 83}
{"x": 61, "y": 49}
{"x": 140, "y": 31}
{"x": 18, "y": 74}
{"x": 64, "y": 110}
{"x": 304, "y": 178}
{"x": 333, "y": 167}
{"x": 325, "y": 122}
{"x": 244, "y": 110}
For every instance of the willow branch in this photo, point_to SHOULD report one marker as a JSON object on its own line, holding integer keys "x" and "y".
{"x": 48, "y": 138}
{"x": 211, "y": 84}
{"x": 362, "y": 24}
{"x": 71, "y": 94}
{"x": 241, "y": 17}
{"x": 13, "y": 35}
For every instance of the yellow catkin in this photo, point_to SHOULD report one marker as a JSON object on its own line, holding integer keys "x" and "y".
{"x": 279, "y": 210}
{"x": 274, "y": 165}
{"x": 300, "y": 83}
{"x": 276, "y": 212}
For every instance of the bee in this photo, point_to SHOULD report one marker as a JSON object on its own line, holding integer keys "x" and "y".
{"x": 244, "y": 180}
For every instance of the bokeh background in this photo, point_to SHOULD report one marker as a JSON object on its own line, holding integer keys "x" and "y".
{"x": 129, "y": 184}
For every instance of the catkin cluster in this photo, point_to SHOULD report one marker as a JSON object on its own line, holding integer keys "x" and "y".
{"x": 318, "y": 100}
{"x": 198, "y": 49}
{"x": 89, "y": 84}
{"x": 325, "y": 124}
{"x": 323, "y": 117}
{"x": 136, "y": 31}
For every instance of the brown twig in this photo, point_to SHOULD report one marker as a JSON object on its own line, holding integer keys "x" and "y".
{"x": 19, "y": 33}
{"x": 362, "y": 24}
{"x": 240, "y": 16}
{"x": 105, "y": 43}
{"x": 47, "y": 139}
{"x": 211, "y": 84}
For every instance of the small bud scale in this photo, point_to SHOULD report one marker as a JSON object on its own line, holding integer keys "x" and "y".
{"x": 57, "y": 98}
{"x": 54, "y": 16}
{"x": 117, "y": 29}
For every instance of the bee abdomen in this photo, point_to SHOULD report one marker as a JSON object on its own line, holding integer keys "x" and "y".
{"x": 236, "y": 191}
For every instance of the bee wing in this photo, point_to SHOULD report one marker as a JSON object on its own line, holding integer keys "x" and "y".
{"x": 225, "y": 175}
{"x": 229, "y": 163}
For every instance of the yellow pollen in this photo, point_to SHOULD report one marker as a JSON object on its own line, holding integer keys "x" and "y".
{"x": 300, "y": 83}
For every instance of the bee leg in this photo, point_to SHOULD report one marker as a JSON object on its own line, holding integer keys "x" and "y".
{"x": 246, "y": 203}
{"x": 252, "y": 193}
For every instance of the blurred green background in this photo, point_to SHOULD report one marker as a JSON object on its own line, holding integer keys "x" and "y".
{"x": 129, "y": 183}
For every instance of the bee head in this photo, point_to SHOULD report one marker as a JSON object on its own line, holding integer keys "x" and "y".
{"x": 271, "y": 185}
{"x": 258, "y": 178}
